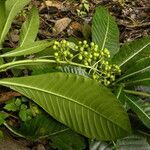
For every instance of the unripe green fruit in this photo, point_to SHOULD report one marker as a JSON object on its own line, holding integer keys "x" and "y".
{"x": 80, "y": 57}
{"x": 86, "y": 63}
{"x": 92, "y": 44}
{"x": 76, "y": 47}
{"x": 71, "y": 55}
{"x": 56, "y": 54}
{"x": 85, "y": 53}
{"x": 81, "y": 49}
{"x": 80, "y": 42}
{"x": 89, "y": 60}
{"x": 54, "y": 47}
{"x": 84, "y": 42}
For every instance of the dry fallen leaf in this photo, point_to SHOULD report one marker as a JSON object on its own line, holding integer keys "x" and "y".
{"x": 61, "y": 25}
{"x": 49, "y": 3}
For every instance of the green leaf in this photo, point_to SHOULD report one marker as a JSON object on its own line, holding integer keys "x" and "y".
{"x": 139, "y": 67}
{"x": 133, "y": 142}
{"x": 67, "y": 140}
{"x": 140, "y": 107}
{"x": 2, "y": 15}
{"x": 28, "y": 49}
{"x": 12, "y": 106}
{"x": 30, "y": 28}
{"x": 78, "y": 102}
{"x": 141, "y": 79}
{"x": 131, "y": 52}
{"x": 100, "y": 145}
{"x": 12, "y": 8}
{"x": 3, "y": 116}
{"x": 43, "y": 126}
{"x": 105, "y": 32}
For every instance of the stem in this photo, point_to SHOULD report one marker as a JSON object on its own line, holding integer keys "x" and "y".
{"x": 31, "y": 61}
{"x": 137, "y": 93}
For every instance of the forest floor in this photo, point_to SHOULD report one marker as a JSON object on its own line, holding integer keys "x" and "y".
{"x": 59, "y": 19}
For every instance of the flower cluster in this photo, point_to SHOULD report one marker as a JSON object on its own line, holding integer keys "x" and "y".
{"x": 90, "y": 56}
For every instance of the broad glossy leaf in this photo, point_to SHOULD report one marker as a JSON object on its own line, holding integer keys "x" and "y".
{"x": 12, "y": 9}
{"x": 78, "y": 102}
{"x": 29, "y": 28}
{"x": 105, "y": 32}
{"x": 139, "y": 67}
{"x": 28, "y": 49}
{"x": 133, "y": 142}
{"x": 131, "y": 52}
{"x": 140, "y": 107}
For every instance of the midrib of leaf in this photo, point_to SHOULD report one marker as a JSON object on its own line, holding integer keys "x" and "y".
{"x": 106, "y": 34}
{"x": 138, "y": 107}
{"x": 58, "y": 95}
{"x": 27, "y": 32}
{"x": 133, "y": 55}
{"x": 136, "y": 72}
{"x": 145, "y": 79}
{"x": 7, "y": 21}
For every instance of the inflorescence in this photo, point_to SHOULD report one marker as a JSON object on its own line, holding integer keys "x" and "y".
{"x": 90, "y": 56}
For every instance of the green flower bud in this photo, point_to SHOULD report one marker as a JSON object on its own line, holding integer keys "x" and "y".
{"x": 86, "y": 63}
{"x": 85, "y": 53}
{"x": 56, "y": 43}
{"x": 76, "y": 47}
{"x": 70, "y": 55}
{"x": 89, "y": 60}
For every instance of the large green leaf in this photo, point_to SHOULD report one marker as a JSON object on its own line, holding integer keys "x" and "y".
{"x": 140, "y": 107}
{"x": 133, "y": 142}
{"x": 28, "y": 49}
{"x": 30, "y": 28}
{"x": 132, "y": 52}
{"x": 105, "y": 32}
{"x": 78, "y": 102}
{"x": 139, "y": 67}
{"x": 12, "y": 8}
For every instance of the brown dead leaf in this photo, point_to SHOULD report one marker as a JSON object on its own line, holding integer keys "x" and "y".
{"x": 61, "y": 25}
{"x": 49, "y": 3}
{"x": 8, "y": 95}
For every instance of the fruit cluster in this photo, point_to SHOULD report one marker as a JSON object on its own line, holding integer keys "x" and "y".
{"x": 90, "y": 56}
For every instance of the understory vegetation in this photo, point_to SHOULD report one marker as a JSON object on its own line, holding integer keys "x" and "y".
{"x": 90, "y": 93}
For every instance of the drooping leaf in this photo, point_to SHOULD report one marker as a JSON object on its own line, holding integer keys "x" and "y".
{"x": 12, "y": 8}
{"x": 140, "y": 107}
{"x": 29, "y": 28}
{"x": 28, "y": 49}
{"x": 131, "y": 52}
{"x": 105, "y": 32}
{"x": 133, "y": 142}
{"x": 78, "y": 102}
{"x": 139, "y": 67}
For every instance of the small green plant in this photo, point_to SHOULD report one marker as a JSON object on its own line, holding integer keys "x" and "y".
{"x": 83, "y": 8}
{"x": 89, "y": 88}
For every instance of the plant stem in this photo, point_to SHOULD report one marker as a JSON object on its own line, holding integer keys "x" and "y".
{"x": 137, "y": 93}
{"x": 6, "y": 66}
